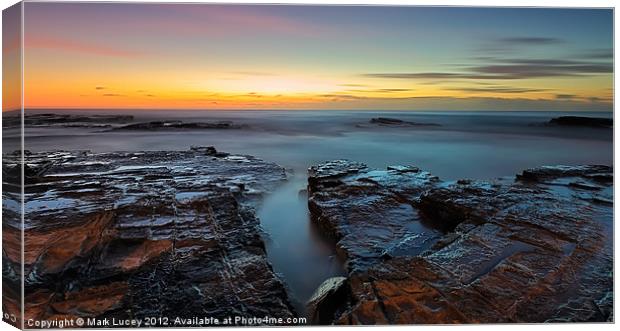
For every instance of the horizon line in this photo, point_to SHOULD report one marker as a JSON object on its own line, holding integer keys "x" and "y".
{"x": 282, "y": 109}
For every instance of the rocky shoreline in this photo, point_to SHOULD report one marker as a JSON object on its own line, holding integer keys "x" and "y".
{"x": 136, "y": 235}
{"x": 65, "y": 121}
{"x": 174, "y": 234}
{"x": 177, "y": 125}
{"x": 538, "y": 248}
{"x": 109, "y": 123}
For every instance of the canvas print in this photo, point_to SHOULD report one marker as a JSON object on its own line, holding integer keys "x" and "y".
{"x": 199, "y": 165}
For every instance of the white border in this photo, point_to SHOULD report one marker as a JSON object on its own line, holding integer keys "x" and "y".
{"x": 473, "y": 3}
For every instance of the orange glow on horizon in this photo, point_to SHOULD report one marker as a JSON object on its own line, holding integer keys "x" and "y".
{"x": 186, "y": 56}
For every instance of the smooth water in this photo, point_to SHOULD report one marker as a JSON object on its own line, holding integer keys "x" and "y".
{"x": 297, "y": 251}
{"x": 471, "y": 144}
{"x": 476, "y": 145}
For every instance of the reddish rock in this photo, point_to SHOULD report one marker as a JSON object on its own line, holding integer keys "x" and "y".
{"x": 538, "y": 249}
{"x": 150, "y": 234}
{"x": 92, "y": 301}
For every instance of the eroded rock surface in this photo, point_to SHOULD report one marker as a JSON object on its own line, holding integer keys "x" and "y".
{"x": 170, "y": 234}
{"x": 537, "y": 248}
{"x": 369, "y": 212}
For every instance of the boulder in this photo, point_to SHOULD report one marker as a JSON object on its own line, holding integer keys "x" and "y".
{"x": 385, "y": 121}
{"x": 331, "y": 295}
{"x": 583, "y": 121}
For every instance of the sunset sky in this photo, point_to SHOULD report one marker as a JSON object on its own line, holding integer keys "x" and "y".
{"x": 97, "y": 55}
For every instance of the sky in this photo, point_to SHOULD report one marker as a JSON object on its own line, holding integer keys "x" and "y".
{"x": 200, "y": 56}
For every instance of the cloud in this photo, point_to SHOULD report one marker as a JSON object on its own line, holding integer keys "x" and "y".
{"x": 565, "y": 96}
{"x": 381, "y": 90}
{"x": 496, "y": 89}
{"x": 513, "y": 43}
{"x": 354, "y": 85}
{"x": 466, "y": 103}
{"x": 223, "y": 20}
{"x": 99, "y": 87}
{"x": 600, "y": 53}
{"x": 341, "y": 96}
{"x": 595, "y": 99}
{"x": 394, "y": 90}
{"x": 113, "y": 95}
{"x": 529, "y": 40}
{"x": 409, "y": 75}
{"x": 506, "y": 69}
{"x": 518, "y": 69}
{"x": 63, "y": 44}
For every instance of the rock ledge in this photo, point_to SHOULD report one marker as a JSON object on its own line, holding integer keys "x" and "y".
{"x": 537, "y": 248}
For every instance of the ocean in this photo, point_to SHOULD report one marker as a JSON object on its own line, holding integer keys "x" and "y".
{"x": 473, "y": 145}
